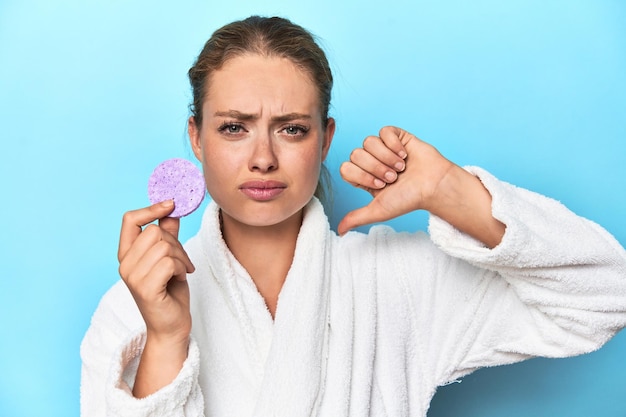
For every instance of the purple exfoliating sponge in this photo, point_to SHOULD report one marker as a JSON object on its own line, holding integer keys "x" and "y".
{"x": 179, "y": 180}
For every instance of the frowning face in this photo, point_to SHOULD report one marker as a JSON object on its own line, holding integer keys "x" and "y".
{"x": 262, "y": 141}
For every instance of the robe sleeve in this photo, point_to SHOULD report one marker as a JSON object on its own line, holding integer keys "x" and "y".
{"x": 554, "y": 287}
{"x": 110, "y": 354}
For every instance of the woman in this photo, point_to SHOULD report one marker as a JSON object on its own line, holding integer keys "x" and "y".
{"x": 268, "y": 312}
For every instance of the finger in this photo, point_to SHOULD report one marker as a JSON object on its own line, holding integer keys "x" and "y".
{"x": 134, "y": 220}
{"x": 381, "y": 151}
{"x": 170, "y": 225}
{"x": 152, "y": 245}
{"x": 360, "y": 217}
{"x": 168, "y": 269}
{"x": 360, "y": 178}
{"x": 170, "y": 247}
{"x": 368, "y": 171}
{"x": 149, "y": 237}
{"x": 152, "y": 286}
{"x": 164, "y": 271}
{"x": 396, "y": 139}
{"x": 154, "y": 237}
{"x": 370, "y": 164}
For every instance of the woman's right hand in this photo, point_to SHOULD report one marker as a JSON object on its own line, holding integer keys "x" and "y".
{"x": 154, "y": 266}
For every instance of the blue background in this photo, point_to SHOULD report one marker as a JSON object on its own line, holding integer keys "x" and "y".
{"x": 93, "y": 94}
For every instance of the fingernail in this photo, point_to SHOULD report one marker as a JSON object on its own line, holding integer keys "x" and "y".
{"x": 378, "y": 183}
{"x": 167, "y": 203}
{"x": 399, "y": 166}
{"x": 390, "y": 176}
{"x": 402, "y": 154}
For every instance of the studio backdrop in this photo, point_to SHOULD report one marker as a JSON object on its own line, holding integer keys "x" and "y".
{"x": 94, "y": 94}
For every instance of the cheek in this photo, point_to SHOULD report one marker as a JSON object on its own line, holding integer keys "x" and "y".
{"x": 310, "y": 162}
{"x": 217, "y": 164}
{"x": 219, "y": 156}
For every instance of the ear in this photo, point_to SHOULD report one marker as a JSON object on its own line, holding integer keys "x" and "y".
{"x": 328, "y": 137}
{"x": 194, "y": 137}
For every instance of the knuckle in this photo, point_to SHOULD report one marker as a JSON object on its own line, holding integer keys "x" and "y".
{"x": 152, "y": 231}
{"x": 162, "y": 248}
{"x": 344, "y": 168}
{"x": 128, "y": 217}
{"x": 123, "y": 271}
{"x": 369, "y": 141}
{"x": 385, "y": 130}
{"x": 354, "y": 155}
{"x": 168, "y": 265}
{"x": 151, "y": 227}
{"x": 130, "y": 278}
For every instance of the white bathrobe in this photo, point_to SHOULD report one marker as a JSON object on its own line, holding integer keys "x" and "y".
{"x": 369, "y": 324}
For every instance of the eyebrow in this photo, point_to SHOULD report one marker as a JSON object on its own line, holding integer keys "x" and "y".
{"x": 235, "y": 114}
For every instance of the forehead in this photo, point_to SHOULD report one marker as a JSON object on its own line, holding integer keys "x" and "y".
{"x": 255, "y": 82}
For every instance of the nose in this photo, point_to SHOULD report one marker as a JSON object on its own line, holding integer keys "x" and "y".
{"x": 263, "y": 158}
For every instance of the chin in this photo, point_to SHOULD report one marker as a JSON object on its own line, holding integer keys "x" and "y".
{"x": 272, "y": 217}
{"x": 263, "y": 214}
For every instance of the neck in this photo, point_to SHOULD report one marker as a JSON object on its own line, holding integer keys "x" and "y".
{"x": 266, "y": 252}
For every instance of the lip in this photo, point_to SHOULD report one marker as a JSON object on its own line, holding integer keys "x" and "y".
{"x": 262, "y": 190}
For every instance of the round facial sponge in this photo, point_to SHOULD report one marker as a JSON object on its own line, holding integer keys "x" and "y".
{"x": 179, "y": 180}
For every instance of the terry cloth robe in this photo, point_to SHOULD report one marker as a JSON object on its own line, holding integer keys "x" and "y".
{"x": 369, "y": 324}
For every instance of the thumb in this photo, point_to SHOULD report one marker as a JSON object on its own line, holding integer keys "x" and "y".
{"x": 359, "y": 217}
{"x": 170, "y": 225}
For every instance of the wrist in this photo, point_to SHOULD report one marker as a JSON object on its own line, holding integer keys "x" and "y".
{"x": 172, "y": 346}
{"x": 446, "y": 191}
{"x": 462, "y": 200}
{"x": 161, "y": 361}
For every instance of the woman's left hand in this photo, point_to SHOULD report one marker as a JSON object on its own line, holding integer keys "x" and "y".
{"x": 399, "y": 170}
{"x": 404, "y": 174}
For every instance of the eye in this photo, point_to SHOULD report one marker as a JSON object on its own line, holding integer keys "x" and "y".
{"x": 231, "y": 128}
{"x": 295, "y": 130}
